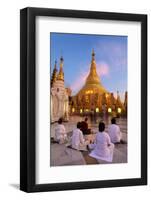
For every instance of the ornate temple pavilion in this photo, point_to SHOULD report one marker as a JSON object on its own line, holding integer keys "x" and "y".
{"x": 59, "y": 95}
{"x": 94, "y": 97}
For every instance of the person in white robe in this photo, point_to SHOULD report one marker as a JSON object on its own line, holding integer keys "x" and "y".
{"x": 60, "y": 132}
{"x": 114, "y": 132}
{"x": 77, "y": 140}
{"x": 103, "y": 148}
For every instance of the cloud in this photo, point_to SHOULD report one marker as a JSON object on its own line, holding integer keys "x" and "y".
{"x": 114, "y": 52}
{"x": 102, "y": 70}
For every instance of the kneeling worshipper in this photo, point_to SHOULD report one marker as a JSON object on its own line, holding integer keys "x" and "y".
{"x": 102, "y": 148}
{"x": 60, "y": 133}
{"x": 77, "y": 141}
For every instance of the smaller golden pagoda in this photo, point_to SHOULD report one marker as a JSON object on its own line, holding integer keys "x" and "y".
{"x": 54, "y": 74}
{"x": 59, "y": 95}
{"x": 60, "y": 75}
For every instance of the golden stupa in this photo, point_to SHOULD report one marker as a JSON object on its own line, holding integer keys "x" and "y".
{"x": 93, "y": 97}
{"x": 93, "y": 84}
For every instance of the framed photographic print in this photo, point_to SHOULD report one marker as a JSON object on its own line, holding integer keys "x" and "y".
{"x": 83, "y": 99}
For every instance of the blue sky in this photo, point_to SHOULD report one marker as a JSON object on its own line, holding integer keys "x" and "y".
{"x": 76, "y": 49}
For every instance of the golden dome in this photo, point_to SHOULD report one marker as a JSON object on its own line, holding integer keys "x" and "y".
{"x": 93, "y": 82}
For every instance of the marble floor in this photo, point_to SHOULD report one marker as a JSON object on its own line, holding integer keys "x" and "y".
{"x": 61, "y": 155}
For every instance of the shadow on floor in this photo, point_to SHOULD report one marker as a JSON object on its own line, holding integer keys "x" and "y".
{"x": 15, "y": 185}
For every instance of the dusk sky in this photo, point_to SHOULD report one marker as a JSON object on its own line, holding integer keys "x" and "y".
{"x": 76, "y": 49}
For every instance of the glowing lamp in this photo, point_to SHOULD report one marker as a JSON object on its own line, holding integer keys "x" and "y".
{"x": 97, "y": 110}
{"x": 73, "y": 109}
{"x": 119, "y": 110}
{"x": 109, "y": 110}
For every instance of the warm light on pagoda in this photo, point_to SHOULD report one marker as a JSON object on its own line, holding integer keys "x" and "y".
{"x": 81, "y": 110}
{"x": 97, "y": 110}
{"x": 106, "y": 95}
{"x": 109, "y": 110}
{"x": 119, "y": 110}
{"x": 89, "y": 92}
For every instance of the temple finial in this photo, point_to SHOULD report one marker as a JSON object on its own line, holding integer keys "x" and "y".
{"x": 93, "y": 54}
{"x": 55, "y": 66}
{"x": 61, "y": 74}
{"x": 61, "y": 59}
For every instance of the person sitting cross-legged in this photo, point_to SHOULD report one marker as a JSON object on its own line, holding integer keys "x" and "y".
{"x": 115, "y": 133}
{"x": 102, "y": 148}
{"x": 84, "y": 127}
{"x": 77, "y": 140}
{"x": 60, "y": 133}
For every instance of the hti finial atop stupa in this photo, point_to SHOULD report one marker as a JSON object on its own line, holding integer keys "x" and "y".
{"x": 61, "y": 73}
{"x": 93, "y": 55}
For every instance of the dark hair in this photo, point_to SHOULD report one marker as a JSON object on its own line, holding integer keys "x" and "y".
{"x": 86, "y": 119}
{"x": 101, "y": 126}
{"x": 79, "y": 125}
{"x": 60, "y": 121}
{"x": 113, "y": 121}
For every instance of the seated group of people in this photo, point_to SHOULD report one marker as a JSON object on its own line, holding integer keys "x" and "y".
{"x": 101, "y": 148}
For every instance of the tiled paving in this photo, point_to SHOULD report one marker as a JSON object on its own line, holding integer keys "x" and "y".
{"x": 61, "y": 155}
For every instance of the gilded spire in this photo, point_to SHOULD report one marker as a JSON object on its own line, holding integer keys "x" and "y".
{"x": 93, "y": 77}
{"x": 126, "y": 96}
{"x": 125, "y": 100}
{"x": 54, "y": 74}
{"x": 118, "y": 101}
{"x": 55, "y": 66}
{"x": 118, "y": 97}
{"x": 61, "y": 73}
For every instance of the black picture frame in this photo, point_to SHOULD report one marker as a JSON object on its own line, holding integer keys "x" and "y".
{"x": 28, "y": 99}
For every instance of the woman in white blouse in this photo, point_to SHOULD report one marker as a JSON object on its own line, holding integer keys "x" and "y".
{"x": 102, "y": 147}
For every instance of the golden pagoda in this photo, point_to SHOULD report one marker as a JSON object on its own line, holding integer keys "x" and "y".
{"x": 93, "y": 84}
{"x": 93, "y": 97}
{"x": 54, "y": 74}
